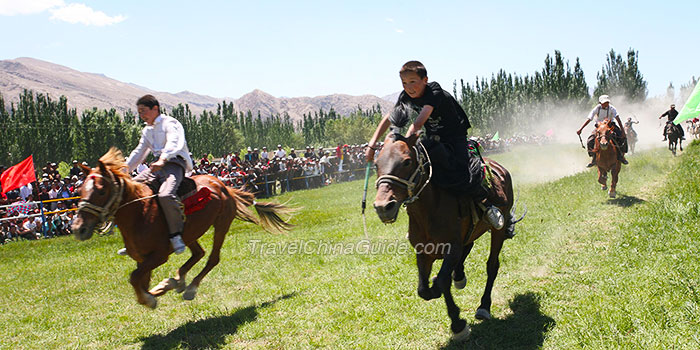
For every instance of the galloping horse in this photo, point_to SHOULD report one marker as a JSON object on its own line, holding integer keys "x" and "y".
{"x": 441, "y": 224}
{"x": 606, "y": 156}
{"x": 109, "y": 192}
{"x": 674, "y": 137}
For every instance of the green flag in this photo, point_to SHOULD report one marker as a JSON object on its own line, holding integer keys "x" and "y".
{"x": 495, "y": 137}
{"x": 691, "y": 109}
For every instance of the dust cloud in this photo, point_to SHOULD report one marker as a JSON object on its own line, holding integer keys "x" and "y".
{"x": 564, "y": 155}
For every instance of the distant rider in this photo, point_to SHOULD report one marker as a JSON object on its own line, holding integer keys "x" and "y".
{"x": 672, "y": 114}
{"x": 605, "y": 111}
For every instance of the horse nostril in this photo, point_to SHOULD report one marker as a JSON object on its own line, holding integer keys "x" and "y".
{"x": 390, "y": 206}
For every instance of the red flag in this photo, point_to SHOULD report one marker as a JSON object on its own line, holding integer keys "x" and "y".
{"x": 18, "y": 175}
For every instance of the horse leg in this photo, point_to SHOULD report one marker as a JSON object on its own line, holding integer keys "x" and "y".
{"x": 141, "y": 278}
{"x": 613, "y": 182}
{"x": 603, "y": 179}
{"x": 178, "y": 283}
{"x": 425, "y": 265}
{"x": 483, "y": 312}
{"x": 444, "y": 283}
{"x": 458, "y": 276}
{"x": 214, "y": 257}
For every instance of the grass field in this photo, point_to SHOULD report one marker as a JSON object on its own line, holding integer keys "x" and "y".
{"x": 584, "y": 272}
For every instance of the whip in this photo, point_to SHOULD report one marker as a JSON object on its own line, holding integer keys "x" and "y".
{"x": 364, "y": 197}
{"x": 580, "y": 140}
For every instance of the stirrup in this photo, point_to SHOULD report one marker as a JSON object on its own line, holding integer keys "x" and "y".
{"x": 591, "y": 164}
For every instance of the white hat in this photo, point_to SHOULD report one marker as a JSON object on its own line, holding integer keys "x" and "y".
{"x": 603, "y": 98}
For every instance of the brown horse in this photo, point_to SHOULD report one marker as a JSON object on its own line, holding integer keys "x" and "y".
{"x": 441, "y": 224}
{"x": 605, "y": 150}
{"x": 109, "y": 192}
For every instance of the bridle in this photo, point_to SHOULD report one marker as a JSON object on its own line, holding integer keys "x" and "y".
{"x": 417, "y": 179}
{"x": 105, "y": 213}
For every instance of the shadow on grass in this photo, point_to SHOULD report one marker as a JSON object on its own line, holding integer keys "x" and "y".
{"x": 208, "y": 333}
{"x": 525, "y": 328}
{"x": 625, "y": 201}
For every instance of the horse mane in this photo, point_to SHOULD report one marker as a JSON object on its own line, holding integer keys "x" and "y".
{"x": 114, "y": 161}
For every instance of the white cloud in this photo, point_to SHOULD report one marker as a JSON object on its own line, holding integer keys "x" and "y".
{"x": 400, "y": 31}
{"x": 27, "y": 7}
{"x": 79, "y": 13}
{"x": 389, "y": 19}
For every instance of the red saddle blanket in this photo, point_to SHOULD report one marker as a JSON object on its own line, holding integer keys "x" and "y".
{"x": 197, "y": 201}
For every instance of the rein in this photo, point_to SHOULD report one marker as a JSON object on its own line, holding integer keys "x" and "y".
{"x": 107, "y": 212}
{"x": 424, "y": 167}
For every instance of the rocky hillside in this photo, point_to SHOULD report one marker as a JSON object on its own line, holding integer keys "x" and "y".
{"x": 87, "y": 90}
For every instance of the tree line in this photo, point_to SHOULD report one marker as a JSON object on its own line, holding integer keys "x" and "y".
{"x": 506, "y": 102}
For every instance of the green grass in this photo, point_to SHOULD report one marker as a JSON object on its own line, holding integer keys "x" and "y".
{"x": 584, "y": 272}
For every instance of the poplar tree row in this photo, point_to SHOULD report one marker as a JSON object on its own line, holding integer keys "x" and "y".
{"x": 507, "y": 103}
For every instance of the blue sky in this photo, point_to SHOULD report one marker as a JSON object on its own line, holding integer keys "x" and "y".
{"x": 313, "y": 48}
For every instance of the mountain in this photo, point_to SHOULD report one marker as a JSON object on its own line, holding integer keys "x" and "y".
{"x": 88, "y": 90}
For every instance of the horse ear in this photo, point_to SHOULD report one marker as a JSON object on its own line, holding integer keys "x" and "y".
{"x": 411, "y": 140}
{"x": 103, "y": 168}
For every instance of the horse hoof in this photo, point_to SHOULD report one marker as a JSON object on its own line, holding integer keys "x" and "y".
{"x": 151, "y": 302}
{"x": 180, "y": 285}
{"x": 482, "y": 314}
{"x": 612, "y": 194}
{"x": 190, "y": 293}
{"x": 604, "y": 188}
{"x": 459, "y": 284}
{"x": 461, "y": 335}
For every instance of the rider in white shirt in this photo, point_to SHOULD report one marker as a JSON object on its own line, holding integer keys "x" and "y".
{"x": 605, "y": 111}
{"x": 163, "y": 136}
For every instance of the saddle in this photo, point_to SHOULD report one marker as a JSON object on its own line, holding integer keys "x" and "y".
{"x": 191, "y": 199}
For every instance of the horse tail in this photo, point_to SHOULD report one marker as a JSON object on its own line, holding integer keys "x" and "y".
{"x": 269, "y": 213}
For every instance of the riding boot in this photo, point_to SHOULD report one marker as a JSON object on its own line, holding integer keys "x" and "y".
{"x": 493, "y": 214}
{"x": 593, "y": 162}
{"x": 178, "y": 244}
{"x": 621, "y": 157}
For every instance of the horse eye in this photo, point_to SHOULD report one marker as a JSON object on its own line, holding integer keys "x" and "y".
{"x": 406, "y": 163}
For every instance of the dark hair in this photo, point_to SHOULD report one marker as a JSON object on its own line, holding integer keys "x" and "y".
{"x": 415, "y": 67}
{"x": 149, "y": 101}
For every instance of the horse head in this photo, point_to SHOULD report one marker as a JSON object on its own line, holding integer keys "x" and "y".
{"x": 604, "y": 134}
{"x": 397, "y": 168}
{"x": 100, "y": 196}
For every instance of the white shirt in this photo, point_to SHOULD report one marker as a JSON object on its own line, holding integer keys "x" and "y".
{"x": 263, "y": 155}
{"x": 165, "y": 138}
{"x": 599, "y": 113}
{"x": 280, "y": 153}
{"x": 141, "y": 167}
{"x": 25, "y": 191}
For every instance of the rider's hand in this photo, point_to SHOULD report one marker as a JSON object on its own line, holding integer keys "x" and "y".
{"x": 578, "y": 132}
{"x": 369, "y": 154}
{"x": 157, "y": 165}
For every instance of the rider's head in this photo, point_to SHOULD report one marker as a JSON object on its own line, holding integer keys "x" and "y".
{"x": 629, "y": 119}
{"x": 673, "y": 106}
{"x": 414, "y": 78}
{"x": 604, "y": 100}
{"x": 148, "y": 108}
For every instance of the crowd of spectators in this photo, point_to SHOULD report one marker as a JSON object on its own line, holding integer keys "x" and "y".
{"x": 20, "y": 204}
{"x": 261, "y": 171}
{"x": 269, "y": 172}
{"x": 500, "y": 145}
